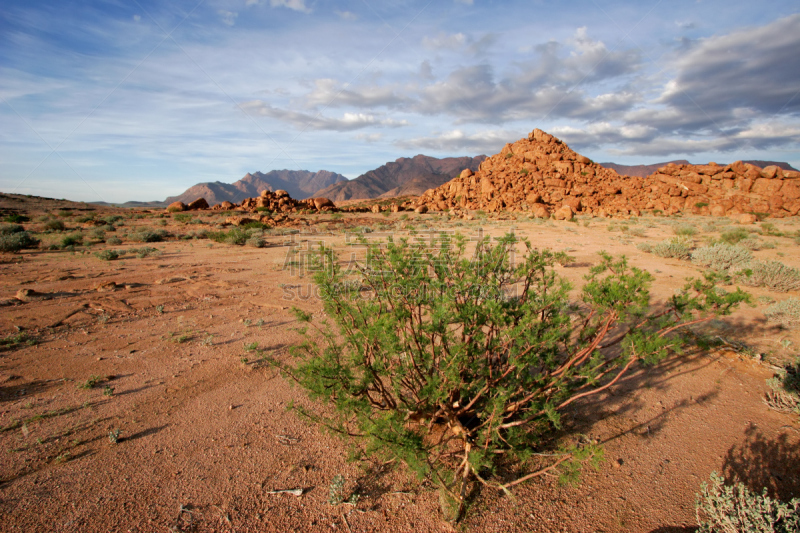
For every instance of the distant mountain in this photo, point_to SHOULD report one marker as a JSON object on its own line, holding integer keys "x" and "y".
{"x": 298, "y": 183}
{"x": 645, "y": 170}
{"x": 407, "y": 175}
{"x": 640, "y": 170}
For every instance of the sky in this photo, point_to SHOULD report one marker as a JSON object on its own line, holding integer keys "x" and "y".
{"x": 119, "y": 100}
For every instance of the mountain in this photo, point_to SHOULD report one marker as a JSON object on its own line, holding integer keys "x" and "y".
{"x": 645, "y": 170}
{"x": 641, "y": 170}
{"x": 298, "y": 183}
{"x": 407, "y": 175}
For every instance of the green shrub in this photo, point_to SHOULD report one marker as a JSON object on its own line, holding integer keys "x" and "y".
{"x": 237, "y": 236}
{"x": 735, "y": 235}
{"x": 16, "y": 218}
{"x": 114, "y": 241}
{"x": 771, "y": 274}
{"x": 256, "y": 241}
{"x": 73, "y": 239}
{"x": 784, "y": 389}
{"x": 645, "y": 247}
{"x": 722, "y": 257}
{"x": 54, "y": 225}
{"x": 148, "y": 235}
{"x": 751, "y": 243}
{"x": 108, "y": 255}
{"x": 8, "y": 229}
{"x": 145, "y": 251}
{"x": 460, "y": 364}
{"x": 684, "y": 230}
{"x": 14, "y": 242}
{"x": 786, "y": 313}
{"x": 183, "y": 218}
{"x": 677, "y": 247}
{"x": 735, "y": 509}
{"x": 97, "y": 234}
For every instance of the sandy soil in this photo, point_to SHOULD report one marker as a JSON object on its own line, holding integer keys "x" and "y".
{"x": 206, "y": 442}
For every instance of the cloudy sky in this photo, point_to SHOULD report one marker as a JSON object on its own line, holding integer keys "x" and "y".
{"x": 136, "y": 99}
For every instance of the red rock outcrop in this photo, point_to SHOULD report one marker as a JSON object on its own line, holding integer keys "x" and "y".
{"x": 542, "y": 175}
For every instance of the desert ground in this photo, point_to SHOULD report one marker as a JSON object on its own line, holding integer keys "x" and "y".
{"x": 134, "y": 396}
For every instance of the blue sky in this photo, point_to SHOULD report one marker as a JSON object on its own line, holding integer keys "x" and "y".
{"x": 136, "y": 100}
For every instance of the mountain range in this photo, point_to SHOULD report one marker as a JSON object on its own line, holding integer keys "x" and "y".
{"x": 404, "y": 176}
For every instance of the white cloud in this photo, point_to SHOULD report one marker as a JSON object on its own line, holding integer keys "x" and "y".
{"x": 369, "y": 137}
{"x": 297, "y": 5}
{"x": 305, "y": 121}
{"x": 444, "y": 40}
{"x": 347, "y": 15}
{"x": 485, "y": 141}
{"x": 228, "y": 17}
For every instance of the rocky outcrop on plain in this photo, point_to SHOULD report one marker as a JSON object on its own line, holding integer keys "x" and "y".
{"x": 542, "y": 175}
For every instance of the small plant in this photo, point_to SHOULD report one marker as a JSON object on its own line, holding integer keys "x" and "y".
{"x": 256, "y": 241}
{"x": 784, "y": 393}
{"x": 160, "y": 309}
{"x": 108, "y": 390}
{"x": 74, "y": 239}
{"x": 114, "y": 241}
{"x": 684, "y": 230}
{"x": 179, "y": 339}
{"x": 252, "y": 347}
{"x": 336, "y": 494}
{"x": 677, "y": 247}
{"x": 54, "y": 225}
{"x": 114, "y": 435}
{"x": 148, "y": 235}
{"x": 785, "y": 313}
{"x": 91, "y": 382}
{"x": 16, "y": 218}
{"x": 645, "y": 247}
{"x": 14, "y": 242}
{"x": 735, "y": 235}
{"x": 145, "y": 251}
{"x": 523, "y": 171}
{"x": 208, "y": 340}
{"x": 183, "y": 218}
{"x": 723, "y": 508}
{"x": 722, "y": 257}
{"x": 771, "y": 274}
{"x": 509, "y": 155}
{"x": 108, "y": 255}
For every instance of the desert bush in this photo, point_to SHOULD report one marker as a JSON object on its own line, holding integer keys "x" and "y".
{"x": 684, "y": 230}
{"x": 751, "y": 243}
{"x": 145, "y": 251}
{"x": 771, "y": 274}
{"x": 459, "y": 365}
{"x": 784, "y": 389}
{"x": 9, "y": 229}
{"x": 108, "y": 255}
{"x": 256, "y": 241}
{"x": 677, "y": 247}
{"x": 73, "y": 239}
{"x": 114, "y": 241}
{"x": 786, "y": 312}
{"x": 16, "y": 241}
{"x": 54, "y": 224}
{"x": 645, "y": 247}
{"x": 724, "y": 508}
{"x": 113, "y": 219}
{"x": 97, "y": 234}
{"x": 148, "y": 235}
{"x": 183, "y": 218}
{"x": 722, "y": 257}
{"x": 237, "y": 236}
{"x": 733, "y": 236}
{"x": 16, "y": 218}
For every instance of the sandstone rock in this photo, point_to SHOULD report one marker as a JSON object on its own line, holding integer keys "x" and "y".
{"x": 540, "y": 211}
{"x": 466, "y": 173}
{"x": 280, "y": 193}
{"x": 227, "y": 205}
{"x": 239, "y": 221}
{"x": 564, "y": 213}
{"x": 200, "y": 203}
{"x": 421, "y": 209}
{"x": 319, "y": 203}
{"x": 377, "y": 209}
{"x": 744, "y": 218}
{"x": 175, "y": 207}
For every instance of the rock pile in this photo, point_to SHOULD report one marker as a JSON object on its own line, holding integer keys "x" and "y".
{"x": 278, "y": 201}
{"x": 543, "y": 176}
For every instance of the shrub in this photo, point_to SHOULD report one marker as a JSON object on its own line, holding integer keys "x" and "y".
{"x": 148, "y": 235}
{"x": 98, "y": 234}
{"x": 14, "y": 242}
{"x": 237, "y": 236}
{"x": 54, "y": 225}
{"x": 645, "y": 247}
{"x": 677, "y": 247}
{"x": 8, "y": 229}
{"x": 784, "y": 393}
{"x": 145, "y": 251}
{"x": 684, "y": 230}
{"x": 722, "y": 257}
{"x": 786, "y": 313}
{"x": 108, "y": 255}
{"x": 73, "y": 239}
{"x": 735, "y": 509}
{"x": 735, "y": 235}
{"x": 183, "y": 218}
{"x": 256, "y": 241}
{"x": 458, "y": 365}
{"x": 16, "y": 218}
{"x": 751, "y": 243}
{"x": 114, "y": 241}
{"x": 771, "y": 274}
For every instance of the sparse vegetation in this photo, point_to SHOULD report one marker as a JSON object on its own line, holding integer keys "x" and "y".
{"x": 677, "y": 247}
{"x": 465, "y": 365}
{"x": 108, "y": 255}
{"x": 784, "y": 393}
{"x": 148, "y": 235}
{"x": 722, "y": 508}
{"x": 785, "y": 313}
{"x": 771, "y": 274}
{"x": 733, "y": 236}
{"x": 722, "y": 257}
{"x": 16, "y": 241}
{"x": 684, "y": 230}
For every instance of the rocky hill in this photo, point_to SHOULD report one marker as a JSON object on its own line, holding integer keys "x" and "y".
{"x": 645, "y": 170}
{"x": 405, "y": 176}
{"x": 298, "y": 183}
{"x": 542, "y": 175}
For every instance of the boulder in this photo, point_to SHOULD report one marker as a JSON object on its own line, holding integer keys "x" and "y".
{"x": 466, "y": 173}
{"x": 175, "y": 207}
{"x": 280, "y": 193}
{"x": 421, "y": 209}
{"x": 540, "y": 211}
{"x": 200, "y": 203}
{"x": 319, "y": 203}
{"x": 239, "y": 221}
{"x": 564, "y": 213}
{"x": 744, "y": 218}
